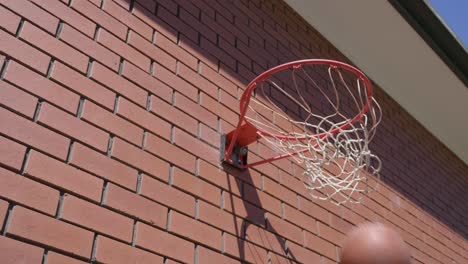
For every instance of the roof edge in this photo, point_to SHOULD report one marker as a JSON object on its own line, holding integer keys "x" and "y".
{"x": 424, "y": 20}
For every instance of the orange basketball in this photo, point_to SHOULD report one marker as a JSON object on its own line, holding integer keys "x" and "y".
{"x": 374, "y": 243}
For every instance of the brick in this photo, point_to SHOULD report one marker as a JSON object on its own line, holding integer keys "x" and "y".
{"x": 321, "y": 246}
{"x": 112, "y": 123}
{"x": 313, "y": 210}
{"x": 171, "y": 6}
{"x": 244, "y": 250}
{"x": 300, "y": 219}
{"x": 59, "y": 174}
{"x": 118, "y": 84}
{"x": 33, "y": 13}
{"x": 23, "y": 52}
{"x": 191, "y": 228}
{"x": 9, "y": 20}
{"x": 285, "y": 229}
{"x": 167, "y": 195}
{"x": 17, "y": 99}
{"x": 170, "y": 261}
{"x": 301, "y": 254}
{"x": 42, "y": 87}
{"x": 29, "y": 193}
{"x": 227, "y": 23}
{"x": 278, "y": 259}
{"x": 148, "y": 4}
{"x": 267, "y": 169}
{"x": 103, "y": 166}
{"x": 154, "y": 52}
{"x": 244, "y": 209}
{"x": 223, "y": 10}
{"x": 265, "y": 238}
{"x": 169, "y": 152}
{"x": 215, "y": 26}
{"x": 14, "y": 251}
{"x": 341, "y": 224}
{"x": 164, "y": 243}
{"x": 127, "y": 19}
{"x": 148, "y": 16}
{"x": 59, "y": 120}
{"x": 136, "y": 206}
{"x": 54, "y": 47}
{"x": 3, "y": 211}
{"x": 203, "y": 55}
{"x": 111, "y": 251}
{"x": 219, "y": 80}
{"x": 248, "y": 74}
{"x": 33, "y": 134}
{"x": 175, "y": 82}
{"x": 220, "y": 110}
{"x": 195, "y": 110}
{"x": 96, "y": 218}
{"x": 50, "y": 232}
{"x": 143, "y": 118}
{"x": 280, "y": 192}
{"x": 209, "y": 135}
{"x": 121, "y": 48}
{"x": 147, "y": 82}
{"x": 257, "y": 54}
{"x": 82, "y": 85}
{"x": 186, "y": 57}
{"x": 333, "y": 208}
{"x": 178, "y": 24}
{"x": 196, "y": 147}
{"x": 235, "y": 76}
{"x": 68, "y": 15}
{"x": 94, "y": 2}
{"x": 206, "y": 256}
{"x": 220, "y": 54}
{"x": 252, "y": 177}
{"x": 196, "y": 186}
{"x": 261, "y": 199}
{"x": 139, "y": 158}
{"x": 174, "y": 115}
{"x": 124, "y": 4}
{"x": 196, "y": 24}
{"x": 56, "y": 258}
{"x": 197, "y": 80}
{"x": 217, "y": 217}
{"x": 206, "y": 9}
{"x": 101, "y": 18}
{"x": 89, "y": 47}
{"x": 12, "y": 153}
{"x": 288, "y": 180}
{"x": 330, "y": 234}
{"x": 248, "y": 10}
{"x": 218, "y": 177}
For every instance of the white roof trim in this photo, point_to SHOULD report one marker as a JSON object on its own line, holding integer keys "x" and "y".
{"x": 375, "y": 37}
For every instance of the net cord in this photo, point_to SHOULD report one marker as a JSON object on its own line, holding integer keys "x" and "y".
{"x": 335, "y": 154}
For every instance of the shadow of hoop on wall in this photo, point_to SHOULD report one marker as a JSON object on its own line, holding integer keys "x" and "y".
{"x": 254, "y": 221}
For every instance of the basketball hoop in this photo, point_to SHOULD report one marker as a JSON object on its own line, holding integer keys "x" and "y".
{"x": 319, "y": 112}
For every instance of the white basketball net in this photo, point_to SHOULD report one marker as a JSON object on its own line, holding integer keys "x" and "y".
{"x": 336, "y": 165}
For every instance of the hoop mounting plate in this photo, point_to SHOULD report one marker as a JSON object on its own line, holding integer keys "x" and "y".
{"x": 238, "y": 158}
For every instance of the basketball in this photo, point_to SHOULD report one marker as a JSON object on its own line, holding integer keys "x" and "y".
{"x": 373, "y": 243}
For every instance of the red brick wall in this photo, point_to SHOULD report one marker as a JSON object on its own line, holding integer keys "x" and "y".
{"x": 111, "y": 114}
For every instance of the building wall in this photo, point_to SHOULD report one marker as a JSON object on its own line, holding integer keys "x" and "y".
{"x": 111, "y": 114}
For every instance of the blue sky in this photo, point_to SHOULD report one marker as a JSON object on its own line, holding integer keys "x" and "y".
{"x": 455, "y": 15}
